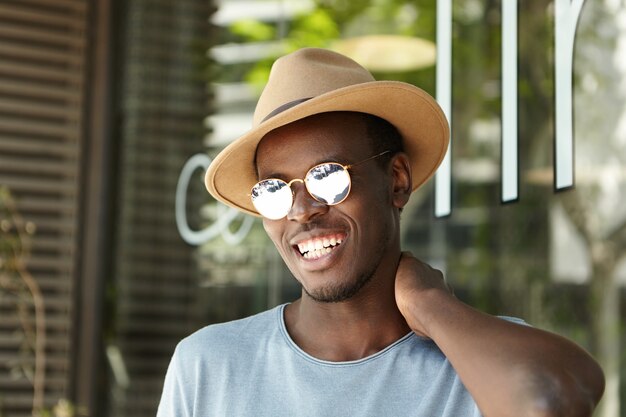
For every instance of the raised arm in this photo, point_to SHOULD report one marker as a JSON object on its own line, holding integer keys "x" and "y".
{"x": 510, "y": 369}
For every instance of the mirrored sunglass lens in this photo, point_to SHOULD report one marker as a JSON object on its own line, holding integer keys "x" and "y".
{"x": 328, "y": 183}
{"x": 272, "y": 198}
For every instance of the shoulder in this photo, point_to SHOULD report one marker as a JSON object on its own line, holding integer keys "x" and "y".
{"x": 224, "y": 337}
{"x": 205, "y": 359}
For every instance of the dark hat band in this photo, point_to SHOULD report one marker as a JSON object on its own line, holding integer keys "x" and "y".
{"x": 284, "y": 107}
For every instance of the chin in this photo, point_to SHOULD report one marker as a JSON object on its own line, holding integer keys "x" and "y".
{"x": 338, "y": 293}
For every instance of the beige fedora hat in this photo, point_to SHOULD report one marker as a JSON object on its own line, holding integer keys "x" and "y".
{"x": 312, "y": 81}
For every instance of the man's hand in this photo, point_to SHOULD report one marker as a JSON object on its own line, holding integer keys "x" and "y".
{"x": 415, "y": 279}
{"x": 509, "y": 369}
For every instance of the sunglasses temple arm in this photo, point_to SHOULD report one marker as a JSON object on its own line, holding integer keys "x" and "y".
{"x": 367, "y": 160}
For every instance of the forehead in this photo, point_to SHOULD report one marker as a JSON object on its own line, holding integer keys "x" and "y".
{"x": 338, "y": 136}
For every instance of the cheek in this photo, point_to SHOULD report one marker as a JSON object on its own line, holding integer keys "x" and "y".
{"x": 371, "y": 198}
{"x": 270, "y": 228}
{"x": 375, "y": 212}
{"x": 275, "y": 233}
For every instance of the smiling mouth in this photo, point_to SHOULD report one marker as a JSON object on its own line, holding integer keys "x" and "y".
{"x": 317, "y": 247}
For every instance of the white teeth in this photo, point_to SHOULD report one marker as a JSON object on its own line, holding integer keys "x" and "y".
{"x": 315, "y": 254}
{"x": 316, "y": 248}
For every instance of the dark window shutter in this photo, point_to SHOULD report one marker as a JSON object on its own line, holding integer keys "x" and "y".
{"x": 163, "y": 104}
{"x": 42, "y": 77}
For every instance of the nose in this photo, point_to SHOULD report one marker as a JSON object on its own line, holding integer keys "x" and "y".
{"x": 304, "y": 207}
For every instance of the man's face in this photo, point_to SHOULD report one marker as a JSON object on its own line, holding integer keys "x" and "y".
{"x": 333, "y": 251}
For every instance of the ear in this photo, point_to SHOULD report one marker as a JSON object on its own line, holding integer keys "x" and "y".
{"x": 402, "y": 179}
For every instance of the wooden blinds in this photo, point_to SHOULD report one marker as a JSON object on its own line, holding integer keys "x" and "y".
{"x": 42, "y": 70}
{"x": 163, "y": 103}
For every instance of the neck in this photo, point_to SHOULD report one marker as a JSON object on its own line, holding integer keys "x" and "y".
{"x": 352, "y": 329}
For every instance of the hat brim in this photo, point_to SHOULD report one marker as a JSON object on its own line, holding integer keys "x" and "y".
{"x": 415, "y": 114}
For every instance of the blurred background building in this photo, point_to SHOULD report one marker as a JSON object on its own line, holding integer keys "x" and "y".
{"x": 111, "y": 251}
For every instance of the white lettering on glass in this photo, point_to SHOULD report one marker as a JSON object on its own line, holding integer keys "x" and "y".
{"x": 510, "y": 156}
{"x": 566, "y": 15}
{"x": 443, "y": 178}
{"x": 225, "y": 215}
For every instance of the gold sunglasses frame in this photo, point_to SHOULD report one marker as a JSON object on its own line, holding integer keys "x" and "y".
{"x": 303, "y": 181}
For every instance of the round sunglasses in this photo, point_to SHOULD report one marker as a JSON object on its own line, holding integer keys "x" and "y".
{"x": 328, "y": 182}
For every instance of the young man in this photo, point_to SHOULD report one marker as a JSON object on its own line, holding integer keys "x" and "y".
{"x": 329, "y": 164}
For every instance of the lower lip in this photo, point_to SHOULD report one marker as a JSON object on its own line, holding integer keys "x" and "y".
{"x": 323, "y": 262}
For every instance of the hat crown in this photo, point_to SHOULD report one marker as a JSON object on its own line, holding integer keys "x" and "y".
{"x": 305, "y": 74}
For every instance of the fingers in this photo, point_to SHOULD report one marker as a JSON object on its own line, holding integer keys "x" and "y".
{"x": 407, "y": 259}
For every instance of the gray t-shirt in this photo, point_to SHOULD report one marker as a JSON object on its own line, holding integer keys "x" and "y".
{"x": 251, "y": 367}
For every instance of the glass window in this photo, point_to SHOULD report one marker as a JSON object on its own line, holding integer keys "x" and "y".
{"x": 553, "y": 259}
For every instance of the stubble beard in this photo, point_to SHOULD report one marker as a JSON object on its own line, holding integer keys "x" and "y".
{"x": 339, "y": 293}
{"x": 342, "y": 291}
